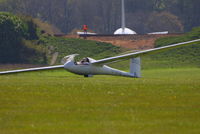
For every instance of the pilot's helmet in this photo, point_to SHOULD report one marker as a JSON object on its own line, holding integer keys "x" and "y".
{"x": 87, "y": 60}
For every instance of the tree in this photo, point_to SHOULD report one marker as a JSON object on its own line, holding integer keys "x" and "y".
{"x": 11, "y": 31}
{"x": 164, "y": 21}
{"x": 103, "y": 16}
{"x": 13, "y": 34}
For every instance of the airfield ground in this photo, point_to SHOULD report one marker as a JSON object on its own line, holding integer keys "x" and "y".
{"x": 164, "y": 101}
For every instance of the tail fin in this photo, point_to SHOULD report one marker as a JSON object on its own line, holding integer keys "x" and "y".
{"x": 135, "y": 67}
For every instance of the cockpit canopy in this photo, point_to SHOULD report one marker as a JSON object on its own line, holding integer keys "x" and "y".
{"x": 68, "y": 58}
{"x": 84, "y": 61}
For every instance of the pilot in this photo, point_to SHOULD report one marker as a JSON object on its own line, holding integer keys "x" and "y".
{"x": 85, "y": 61}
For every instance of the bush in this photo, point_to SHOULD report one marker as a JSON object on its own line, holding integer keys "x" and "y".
{"x": 13, "y": 30}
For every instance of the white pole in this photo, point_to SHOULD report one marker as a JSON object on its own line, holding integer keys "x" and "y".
{"x": 123, "y": 17}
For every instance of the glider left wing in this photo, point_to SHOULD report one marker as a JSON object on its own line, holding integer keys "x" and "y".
{"x": 141, "y": 53}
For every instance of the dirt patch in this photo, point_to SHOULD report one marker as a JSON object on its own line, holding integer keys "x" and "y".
{"x": 135, "y": 42}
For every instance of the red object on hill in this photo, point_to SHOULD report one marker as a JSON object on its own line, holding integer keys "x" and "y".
{"x": 85, "y": 27}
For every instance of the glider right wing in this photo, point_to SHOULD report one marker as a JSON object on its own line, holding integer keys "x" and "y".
{"x": 32, "y": 69}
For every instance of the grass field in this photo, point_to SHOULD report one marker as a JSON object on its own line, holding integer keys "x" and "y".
{"x": 164, "y": 101}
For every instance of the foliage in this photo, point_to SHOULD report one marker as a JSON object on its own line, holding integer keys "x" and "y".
{"x": 12, "y": 26}
{"x": 23, "y": 42}
{"x": 48, "y": 29}
{"x": 13, "y": 31}
{"x": 86, "y": 48}
{"x": 31, "y": 33}
{"x": 164, "y": 21}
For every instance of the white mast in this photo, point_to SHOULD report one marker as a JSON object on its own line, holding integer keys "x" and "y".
{"x": 123, "y": 30}
{"x": 123, "y": 17}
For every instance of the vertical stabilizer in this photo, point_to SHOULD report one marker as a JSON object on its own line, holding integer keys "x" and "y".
{"x": 135, "y": 67}
{"x": 123, "y": 17}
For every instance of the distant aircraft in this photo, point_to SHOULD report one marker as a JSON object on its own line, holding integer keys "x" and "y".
{"x": 89, "y": 67}
{"x": 164, "y": 32}
{"x": 88, "y": 33}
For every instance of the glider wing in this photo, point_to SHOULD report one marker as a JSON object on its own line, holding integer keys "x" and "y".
{"x": 141, "y": 53}
{"x": 32, "y": 69}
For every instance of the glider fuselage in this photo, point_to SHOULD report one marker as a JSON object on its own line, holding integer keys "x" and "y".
{"x": 94, "y": 70}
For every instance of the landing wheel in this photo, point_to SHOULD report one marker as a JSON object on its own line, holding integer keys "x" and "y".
{"x": 86, "y": 76}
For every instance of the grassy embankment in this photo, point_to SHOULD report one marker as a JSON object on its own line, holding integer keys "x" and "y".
{"x": 188, "y": 56}
{"x": 66, "y": 46}
{"x": 183, "y": 57}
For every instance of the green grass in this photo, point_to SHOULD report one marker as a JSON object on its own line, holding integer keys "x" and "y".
{"x": 188, "y": 55}
{"x": 86, "y": 48}
{"x": 164, "y": 101}
{"x": 2, "y": 1}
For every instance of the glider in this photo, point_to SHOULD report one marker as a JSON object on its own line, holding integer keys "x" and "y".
{"x": 89, "y": 67}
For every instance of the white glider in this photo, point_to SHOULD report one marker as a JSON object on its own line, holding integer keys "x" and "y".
{"x": 89, "y": 67}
